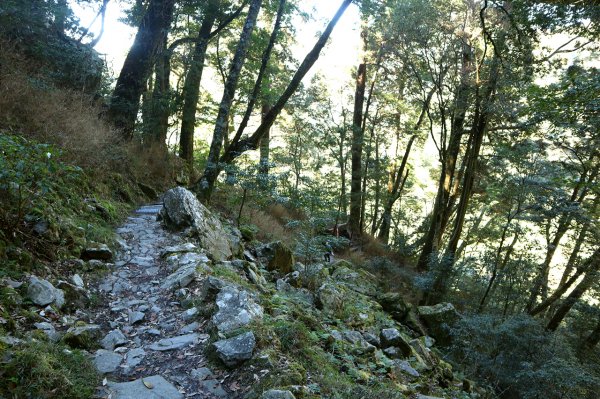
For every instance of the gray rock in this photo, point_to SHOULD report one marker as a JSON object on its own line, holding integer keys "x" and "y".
{"x": 78, "y": 281}
{"x": 439, "y": 319}
{"x": 419, "y": 396}
{"x": 190, "y": 313}
{"x": 135, "y": 317}
{"x": 134, "y": 357}
{"x": 202, "y": 373}
{"x": 234, "y": 351}
{"x": 161, "y": 389}
{"x": 189, "y": 328}
{"x": 85, "y": 337}
{"x": 187, "y": 247}
{"x": 389, "y": 337}
{"x": 113, "y": 339}
{"x": 361, "y": 346}
{"x": 153, "y": 331}
{"x": 404, "y": 367}
{"x": 213, "y": 388}
{"x": 277, "y": 394}
{"x": 236, "y": 308}
{"x": 107, "y": 361}
{"x": 49, "y": 330}
{"x": 330, "y": 298}
{"x": 282, "y": 259}
{"x": 172, "y": 343}
{"x": 181, "y": 278}
{"x": 182, "y": 209}
{"x": 42, "y": 292}
{"x": 97, "y": 252}
{"x": 372, "y": 339}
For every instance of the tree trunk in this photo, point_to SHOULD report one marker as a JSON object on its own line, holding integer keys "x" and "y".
{"x": 592, "y": 340}
{"x": 482, "y": 115}
{"x": 125, "y": 101}
{"x": 237, "y": 148}
{"x": 450, "y": 156}
{"x": 265, "y": 142}
{"x": 262, "y": 72}
{"x": 590, "y": 278}
{"x": 357, "y": 147}
{"x": 161, "y": 100}
{"x": 377, "y": 187}
{"x": 394, "y": 194}
{"x": 212, "y": 169}
{"x": 191, "y": 86}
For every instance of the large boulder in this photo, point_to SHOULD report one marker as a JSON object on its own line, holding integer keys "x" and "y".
{"x": 183, "y": 210}
{"x": 97, "y": 252}
{"x": 42, "y": 293}
{"x": 234, "y": 351}
{"x": 394, "y": 304}
{"x": 236, "y": 308}
{"x": 439, "y": 319}
{"x": 283, "y": 258}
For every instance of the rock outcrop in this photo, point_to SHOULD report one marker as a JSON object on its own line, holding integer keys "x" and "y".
{"x": 183, "y": 210}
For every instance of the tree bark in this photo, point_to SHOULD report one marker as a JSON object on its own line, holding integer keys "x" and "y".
{"x": 137, "y": 68}
{"x": 357, "y": 147}
{"x": 265, "y": 142}
{"x": 212, "y": 169}
{"x": 450, "y": 156}
{"x": 191, "y": 86}
{"x": 590, "y": 278}
{"x": 591, "y": 341}
{"x": 237, "y": 148}
{"x": 481, "y": 118}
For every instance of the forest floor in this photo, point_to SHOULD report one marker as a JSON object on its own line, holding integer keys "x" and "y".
{"x": 159, "y": 345}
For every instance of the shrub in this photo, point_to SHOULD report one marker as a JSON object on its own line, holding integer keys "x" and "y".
{"x": 45, "y": 370}
{"x": 519, "y": 358}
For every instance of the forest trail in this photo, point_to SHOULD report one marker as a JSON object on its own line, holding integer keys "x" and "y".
{"x": 153, "y": 348}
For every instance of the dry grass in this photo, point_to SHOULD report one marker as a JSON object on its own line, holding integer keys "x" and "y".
{"x": 72, "y": 122}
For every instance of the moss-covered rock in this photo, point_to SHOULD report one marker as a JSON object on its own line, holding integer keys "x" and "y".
{"x": 283, "y": 258}
{"x": 86, "y": 336}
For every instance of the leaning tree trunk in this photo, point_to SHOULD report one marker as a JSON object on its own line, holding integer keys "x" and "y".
{"x": 191, "y": 86}
{"x": 238, "y": 147}
{"x": 125, "y": 101}
{"x": 590, "y": 278}
{"x": 212, "y": 169}
{"x": 592, "y": 340}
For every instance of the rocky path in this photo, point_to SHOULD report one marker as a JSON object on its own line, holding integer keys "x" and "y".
{"x": 152, "y": 346}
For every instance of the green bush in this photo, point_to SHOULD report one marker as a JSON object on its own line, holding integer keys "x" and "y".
{"x": 45, "y": 370}
{"x": 521, "y": 359}
{"x": 31, "y": 181}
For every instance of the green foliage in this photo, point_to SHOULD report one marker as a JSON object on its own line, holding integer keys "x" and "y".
{"x": 44, "y": 32}
{"x": 31, "y": 180}
{"x": 517, "y": 356}
{"x": 45, "y": 370}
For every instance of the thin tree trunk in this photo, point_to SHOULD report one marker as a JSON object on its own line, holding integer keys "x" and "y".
{"x": 237, "y": 148}
{"x": 191, "y": 86}
{"x": 377, "y": 188}
{"x": 481, "y": 118}
{"x": 265, "y": 142}
{"x": 212, "y": 169}
{"x": 591, "y": 341}
{"x": 262, "y": 72}
{"x": 590, "y": 278}
{"x": 137, "y": 68}
{"x": 450, "y": 156}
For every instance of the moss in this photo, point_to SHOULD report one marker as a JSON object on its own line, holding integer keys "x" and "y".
{"x": 44, "y": 370}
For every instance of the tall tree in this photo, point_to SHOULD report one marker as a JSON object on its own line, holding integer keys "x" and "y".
{"x": 152, "y": 31}
{"x": 238, "y": 147}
